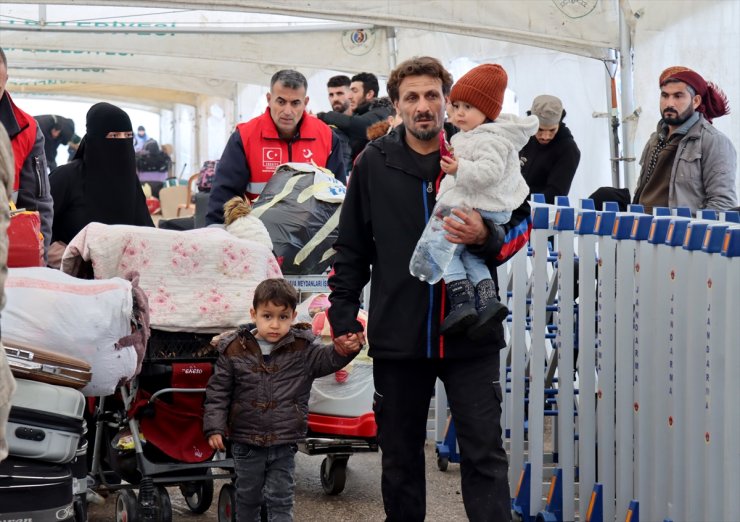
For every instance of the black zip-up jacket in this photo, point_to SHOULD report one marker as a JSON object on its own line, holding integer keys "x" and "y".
{"x": 355, "y": 126}
{"x": 383, "y": 215}
{"x": 549, "y": 169}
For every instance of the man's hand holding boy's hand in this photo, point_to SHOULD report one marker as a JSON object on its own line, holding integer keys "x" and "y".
{"x": 349, "y": 343}
{"x": 216, "y": 441}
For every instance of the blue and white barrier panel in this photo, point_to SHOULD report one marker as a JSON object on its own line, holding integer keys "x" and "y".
{"x": 625, "y": 330}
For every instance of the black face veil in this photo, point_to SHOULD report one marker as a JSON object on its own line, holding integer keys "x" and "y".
{"x": 109, "y": 166}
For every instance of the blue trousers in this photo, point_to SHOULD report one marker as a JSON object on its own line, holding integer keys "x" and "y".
{"x": 465, "y": 265}
{"x": 264, "y": 475}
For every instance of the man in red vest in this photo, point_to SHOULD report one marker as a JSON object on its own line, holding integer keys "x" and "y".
{"x": 30, "y": 183}
{"x": 284, "y": 133}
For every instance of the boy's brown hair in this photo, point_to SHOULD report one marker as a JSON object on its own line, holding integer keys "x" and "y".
{"x": 276, "y": 291}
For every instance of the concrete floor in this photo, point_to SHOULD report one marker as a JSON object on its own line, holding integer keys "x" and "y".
{"x": 360, "y": 500}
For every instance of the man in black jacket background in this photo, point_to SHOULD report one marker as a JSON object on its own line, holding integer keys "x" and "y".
{"x": 57, "y": 130}
{"x": 363, "y": 91}
{"x": 550, "y": 159}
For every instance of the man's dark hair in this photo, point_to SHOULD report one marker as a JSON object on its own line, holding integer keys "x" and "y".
{"x": 290, "y": 78}
{"x": 369, "y": 82}
{"x": 339, "y": 81}
{"x": 418, "y": 66}
{"x": 276, "y": 291}
{"x": 3, "y": 59}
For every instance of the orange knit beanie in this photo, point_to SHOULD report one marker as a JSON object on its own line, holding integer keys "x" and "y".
{"x": 482, "y": 87}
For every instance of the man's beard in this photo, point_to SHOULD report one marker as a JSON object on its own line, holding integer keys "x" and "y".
{"x": 424, "y": 135}
{"x": 680, "y": 119}
{"x": 340, "y": 107}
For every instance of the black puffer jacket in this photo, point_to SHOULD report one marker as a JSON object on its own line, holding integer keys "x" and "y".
{"x": 266, "y": 403}
{"x": 388, "y": 201}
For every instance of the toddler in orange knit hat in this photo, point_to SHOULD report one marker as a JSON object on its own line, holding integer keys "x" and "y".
{"x": 483, "y": 174}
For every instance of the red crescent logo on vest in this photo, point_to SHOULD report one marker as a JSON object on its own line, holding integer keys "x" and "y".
{"x": 307, "y": 153}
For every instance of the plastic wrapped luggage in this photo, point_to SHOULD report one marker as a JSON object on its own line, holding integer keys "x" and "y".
{"x": 300, "y": 208}
{"x": 35, "y": 491}
{"x": 84, "y": 319}
{"x": 45, "y": 422}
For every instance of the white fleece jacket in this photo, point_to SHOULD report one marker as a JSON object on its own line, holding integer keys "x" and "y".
{"x": 488, "y": 173}
{"x": 250, "y": 227}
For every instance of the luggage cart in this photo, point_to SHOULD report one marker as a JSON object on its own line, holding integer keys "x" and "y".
{"x": 337, "y": 437}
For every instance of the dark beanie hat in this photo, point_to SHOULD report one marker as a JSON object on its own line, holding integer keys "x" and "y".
{"x": 103, "y": 118}
{"x": 482, "y": 87}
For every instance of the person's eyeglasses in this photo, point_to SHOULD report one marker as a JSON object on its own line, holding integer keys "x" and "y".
{"x": 123, "y": 135}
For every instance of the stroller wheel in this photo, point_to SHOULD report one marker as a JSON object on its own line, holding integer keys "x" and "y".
{"x": 164, "y": 506}
{"x": 333, "y": 474}
{"x": 127, "y": 509}
{"x": 227, "y": 504}
{"x": 198, "y": 495}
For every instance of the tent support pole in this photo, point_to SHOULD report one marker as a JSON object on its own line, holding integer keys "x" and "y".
{"x": 392, "y": 48}
{"x": 613, "y": 115}
{"x": 626, "y": 66}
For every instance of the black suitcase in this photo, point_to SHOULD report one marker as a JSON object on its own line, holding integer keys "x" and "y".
{"x": 35, "y": 491}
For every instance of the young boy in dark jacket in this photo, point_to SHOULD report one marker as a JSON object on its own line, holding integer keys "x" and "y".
{"x": 258, "y": 395}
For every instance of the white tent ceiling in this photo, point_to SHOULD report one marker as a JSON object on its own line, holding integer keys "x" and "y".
{"x": 163, "y": 53}
{"x": 227, "y": 43}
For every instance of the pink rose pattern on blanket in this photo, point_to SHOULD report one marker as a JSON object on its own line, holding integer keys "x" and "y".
{"x": 160, "y": 301}
{"x": 187, "y": 257}
{"x": 135, "y": 256}
{"x": 235, "y": 261}
{"x": 199, "y": 280}
{"x": 212, "y": 304}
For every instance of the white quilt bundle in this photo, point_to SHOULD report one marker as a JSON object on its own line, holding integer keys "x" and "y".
{"x": 201, "y": 280}
{"x": 81, "y": 318}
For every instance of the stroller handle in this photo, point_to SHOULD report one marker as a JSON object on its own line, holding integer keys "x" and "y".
{"x": 175, "y": 390}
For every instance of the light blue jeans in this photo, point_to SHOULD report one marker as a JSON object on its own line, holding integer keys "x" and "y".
{"x": 465, "y": 265}
{"x": 264, "y": 474}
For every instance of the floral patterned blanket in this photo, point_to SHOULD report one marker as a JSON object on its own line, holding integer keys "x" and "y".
{"x": 201, "y": 280}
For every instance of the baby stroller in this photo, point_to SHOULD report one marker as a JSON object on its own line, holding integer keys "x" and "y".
{"x": 150, "y": 434}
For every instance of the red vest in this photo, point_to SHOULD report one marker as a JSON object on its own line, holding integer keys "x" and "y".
{"x": 265, "y": 150}
{"x": 22, "y": 142}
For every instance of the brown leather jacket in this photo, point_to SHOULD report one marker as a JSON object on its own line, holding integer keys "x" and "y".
{"x": 266, "y": 403}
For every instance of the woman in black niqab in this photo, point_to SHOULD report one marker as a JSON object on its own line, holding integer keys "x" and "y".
{"x": 100, "y": 184}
